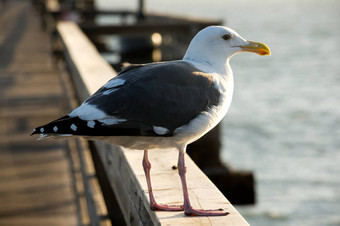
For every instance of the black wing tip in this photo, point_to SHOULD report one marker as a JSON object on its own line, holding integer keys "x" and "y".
{"x": 40, "y": 129}
{"x": 34, "y": 132}
{"x": 37, "y": 131}
{"x": 75, "y": 126}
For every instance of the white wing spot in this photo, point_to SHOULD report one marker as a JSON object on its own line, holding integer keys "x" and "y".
{"x": 55, "y": 129}
{"x": 73, "y": 127}
{"x": 160, "y": 130}
{"x": 91, "y": 124}
{"x": 42, "y": 130}
{"x": 114, "y": 83}
{"x": 88, "y": 112}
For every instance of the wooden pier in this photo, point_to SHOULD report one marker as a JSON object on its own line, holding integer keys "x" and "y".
{"x": 41, "y": 183}
{"x": 73, "y": 182}
{"x": 36, "y": 186}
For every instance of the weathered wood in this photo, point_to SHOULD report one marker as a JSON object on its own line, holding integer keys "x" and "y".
{"x": 150, "y": 23}
{"x": 83, "y": 59}
{"x": 92, "y": 209}
{"x": 87, "y": 12}
{"x": 165, "y": 18}
{"x": 143, "y": 28}
{"x": 35, "y": 179}
{"x": 123, "y": 167}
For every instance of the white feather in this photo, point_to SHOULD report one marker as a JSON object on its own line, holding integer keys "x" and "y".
{"x": 88, "y": 112}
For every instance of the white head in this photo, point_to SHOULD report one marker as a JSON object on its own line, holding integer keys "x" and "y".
{"x": 214, "y": 45}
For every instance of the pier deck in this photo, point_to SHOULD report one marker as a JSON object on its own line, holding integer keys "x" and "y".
{"x": 36, "y": 186}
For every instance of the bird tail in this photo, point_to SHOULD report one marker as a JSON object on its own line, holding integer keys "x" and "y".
{"x": 74, "y": 126}
{"x": 62, "y": 127}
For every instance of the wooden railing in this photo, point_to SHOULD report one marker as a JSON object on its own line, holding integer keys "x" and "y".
{"x": 120, "y": 171}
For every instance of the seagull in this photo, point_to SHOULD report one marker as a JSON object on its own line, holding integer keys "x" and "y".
{"x": 163, "y": 105}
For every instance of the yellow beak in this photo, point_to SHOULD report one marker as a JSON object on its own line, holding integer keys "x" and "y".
{"x": 256, "y": 47}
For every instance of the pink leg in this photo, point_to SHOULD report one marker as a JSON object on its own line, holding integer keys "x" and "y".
{"x": 153, "y": 204}
{"x": 188, "y": 210}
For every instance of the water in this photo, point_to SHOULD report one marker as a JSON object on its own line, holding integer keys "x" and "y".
{"x": 284, "y": 122}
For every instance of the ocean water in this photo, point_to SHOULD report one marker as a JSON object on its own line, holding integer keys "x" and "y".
{"x": 284, "y": 122}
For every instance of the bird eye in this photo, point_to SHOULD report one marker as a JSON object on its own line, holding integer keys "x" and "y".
{"x": 226, "y": 36}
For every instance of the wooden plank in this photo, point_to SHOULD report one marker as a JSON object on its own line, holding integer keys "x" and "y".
{"x": 155, "y": 18}
{"x": 35, "y": 182}
{"x": 91, "y": 70}
{"x": 144, "y": 28}
{"x": 192, "y": 21}
{"x": 123, "y": 167}
{"x": 134, "y": 29}
{"x": 92, "y": 209}
{"x": 153, "y": 22}
{"x": 107, "y": 12}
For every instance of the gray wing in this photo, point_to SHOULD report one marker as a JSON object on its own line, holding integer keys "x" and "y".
{"x": 141, "y": 97}
{"x": 167, "y": 95}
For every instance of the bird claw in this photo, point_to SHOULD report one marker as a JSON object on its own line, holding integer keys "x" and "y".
{"x": 199, "y": 212}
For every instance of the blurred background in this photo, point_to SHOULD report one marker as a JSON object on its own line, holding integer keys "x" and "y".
{"x": 284, "y": 121}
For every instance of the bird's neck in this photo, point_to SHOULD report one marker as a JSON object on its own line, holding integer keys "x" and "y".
{"x": 208, "y": 66}
{"x": 210, "y": 61}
